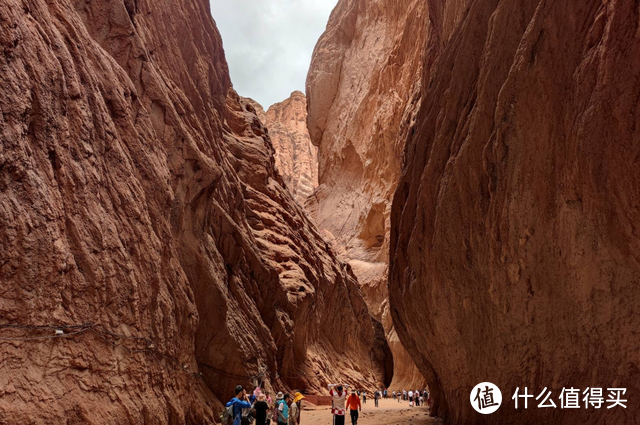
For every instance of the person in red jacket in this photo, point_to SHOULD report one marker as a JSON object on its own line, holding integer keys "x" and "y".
{"x": 354, "y": 405}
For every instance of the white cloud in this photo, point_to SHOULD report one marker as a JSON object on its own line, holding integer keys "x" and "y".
{"x": 268, "y": 43}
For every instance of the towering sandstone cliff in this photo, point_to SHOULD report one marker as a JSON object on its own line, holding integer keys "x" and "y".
{"x": 515, "y": 247}
{"x": 363, "y": 87}
{"x": 142, "y": 215}
{"x": 296, "y": 157}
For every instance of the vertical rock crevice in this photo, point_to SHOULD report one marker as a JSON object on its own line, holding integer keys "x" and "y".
{"x": 363, "y": 88}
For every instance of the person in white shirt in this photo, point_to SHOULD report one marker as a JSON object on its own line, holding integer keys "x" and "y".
{"x": 338, "y": 393}
{"x": 410, "y": 397}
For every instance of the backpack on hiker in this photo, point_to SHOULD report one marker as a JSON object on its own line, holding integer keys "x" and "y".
{"x": 246, "y": 417}
{"x": 226, "y": 418}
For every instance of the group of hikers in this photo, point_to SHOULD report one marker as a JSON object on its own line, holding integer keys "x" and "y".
{"x": 415, "y": 398}
{"x": 244, "y": 409}
{"x": 340, "y": 402}
{"x": 260, "y": 408}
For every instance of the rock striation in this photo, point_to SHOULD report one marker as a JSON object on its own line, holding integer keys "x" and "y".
{"x": 142, "y": 216}
{"x": 296, "y": 157}
{"x": 515, "y": 250}
{"x": 363, "y": 88}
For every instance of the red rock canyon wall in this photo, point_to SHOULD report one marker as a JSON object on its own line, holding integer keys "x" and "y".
{"x": 139, "y": 197}
{"x": 515, "y": 249}
{"x": 363, "y": 88}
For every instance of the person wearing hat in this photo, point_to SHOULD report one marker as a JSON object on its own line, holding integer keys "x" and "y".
{"x": 283, "y": 409}
{"x": 296, "y": 407}
{"x": 338, "y": 393}
{"x": 276, "y": 404}
{"x": 261, "y": 407}
{"x": 353, "y": 404}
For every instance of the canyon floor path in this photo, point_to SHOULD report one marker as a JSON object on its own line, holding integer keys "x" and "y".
{"x": 389, "y": 412}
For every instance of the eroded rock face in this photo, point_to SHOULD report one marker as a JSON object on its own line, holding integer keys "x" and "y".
{"x": 138, "y": 196}
{"x": 364, "y": 74}
{"x": 515, "y": 250}
{"x": 373, "y": 283}
{"x": 296, "y": 157}
{"x": 363, "y": 88}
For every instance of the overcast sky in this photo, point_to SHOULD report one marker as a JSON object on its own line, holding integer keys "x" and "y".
{"x": 268, "y": 43}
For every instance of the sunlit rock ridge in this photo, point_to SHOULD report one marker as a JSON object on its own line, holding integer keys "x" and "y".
{"x": 296, "y": 157}
{"x": 363, "y": 89}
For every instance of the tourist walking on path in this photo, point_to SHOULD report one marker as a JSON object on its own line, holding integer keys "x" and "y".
{"x": 410, "y": 397}
{"x": 364, "y": 397}
{"x": 376, "y": 396}
{"x": 276, "y": 404}
{"x": 271, "y": 404}
{"x": 262, "y": 408}
{"x": 296, "y": 407}
{"x": 353, "y": 404}
{"x": 239, "y": 402}
{"x": 283, "y": 410}
{"x": 338, "y": 395}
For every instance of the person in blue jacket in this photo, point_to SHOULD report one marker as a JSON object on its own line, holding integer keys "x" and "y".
{"x": 283, "y": 410}
{"x": 239, "y": 402}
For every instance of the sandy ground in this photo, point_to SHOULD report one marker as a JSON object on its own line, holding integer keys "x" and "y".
{"x": 389, "y": 412}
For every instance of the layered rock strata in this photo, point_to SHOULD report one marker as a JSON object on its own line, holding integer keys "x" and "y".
{"x": 296, "y": 157}
{"x": 142, "y": 216}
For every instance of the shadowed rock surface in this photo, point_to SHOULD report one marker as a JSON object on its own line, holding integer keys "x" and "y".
{"x": 363, "y": 89}
{"x": 139, "y": 196}
{"x": 515, "y": 243}
{"x": 296, "y": 157}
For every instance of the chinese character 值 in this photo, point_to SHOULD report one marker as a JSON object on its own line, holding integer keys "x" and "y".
{"x": 570, "y": 399}
{"x": 486, "y": 400}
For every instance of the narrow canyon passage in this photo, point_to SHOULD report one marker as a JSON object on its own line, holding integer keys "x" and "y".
{"x": 452, "y": 199}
